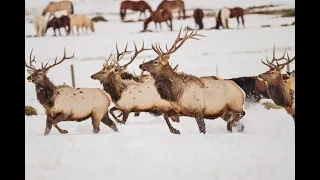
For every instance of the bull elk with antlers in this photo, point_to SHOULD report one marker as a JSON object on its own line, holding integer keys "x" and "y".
{"x": 67, "y": 103}
{"x": 280, "y": 90}
{"x": 193, "y": 96}
{"x": 128, "y": 95}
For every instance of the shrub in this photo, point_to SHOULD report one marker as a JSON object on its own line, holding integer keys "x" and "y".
{"x": 29, "y": 111}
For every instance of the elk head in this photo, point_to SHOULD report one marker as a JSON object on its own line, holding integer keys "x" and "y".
{"x": 37, "y": 76}
{"x": 157, "y": 65}
{"x": 115, "y": 67}
{"x": 275, "y": 68}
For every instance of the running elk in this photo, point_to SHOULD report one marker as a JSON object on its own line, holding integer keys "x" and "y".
{"x": 128, "y": 95}
{"x": 193, "y": 96}
{"x": 281, "y": 91}
{"x": 67, "y": 103}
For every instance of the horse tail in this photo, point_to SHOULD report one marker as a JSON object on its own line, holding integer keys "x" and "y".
{"x": 72, "y": 10}
{"x": 219, "y": 14}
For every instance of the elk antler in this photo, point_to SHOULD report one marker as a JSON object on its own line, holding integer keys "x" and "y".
{"x": 107, "y": 60}
{"x": 277, "y": 65}
{"x": 177, "y": 43}
{"x": 31, "y": 60}
{"x": 60, "y": 61}
{"x": 136, "y": 52}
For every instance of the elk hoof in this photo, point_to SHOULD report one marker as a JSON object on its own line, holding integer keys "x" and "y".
{"x": 46, "y": 132}
{"x": 96, "y": 130}
{"x": 175, "y": 131}
{"x": 122, "y": 122}
{"x": 177, "y": 120}
{"x": 240, "y": 127}
{"x": 64, "y": 132}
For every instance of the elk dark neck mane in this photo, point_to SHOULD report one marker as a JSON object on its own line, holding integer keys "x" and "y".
{"x": 277, "y": 93}
{"x": 129, "y": 76}
{"x": 170, "y": 85}
{"x": 114, "y": 85}
{"x": 45, "y": 92}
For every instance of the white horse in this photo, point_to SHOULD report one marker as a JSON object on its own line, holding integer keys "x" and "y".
{"x": 40, "y": 24}
{"x": 225, "y": 14}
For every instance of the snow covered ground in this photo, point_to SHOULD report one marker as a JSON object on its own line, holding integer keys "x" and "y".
{"x": 144, "y": 148}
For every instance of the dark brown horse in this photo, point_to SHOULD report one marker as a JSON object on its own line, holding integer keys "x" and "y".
{"x": 226, "y": 13}
{"x": 141, "y": 6}
{"x": 172, "y": 5}
{"x": 159, "y": 16}
{"x": 57, "y": 23}
{"x": 198, "y": 16}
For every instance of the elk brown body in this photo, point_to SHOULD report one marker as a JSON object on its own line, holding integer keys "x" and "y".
{"x": 193, "y": 96}
{"x": 68, "y": 103}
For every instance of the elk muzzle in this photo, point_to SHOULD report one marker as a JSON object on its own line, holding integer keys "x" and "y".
{"x": 142, "y": 67}
{"x": 94, "y": 77}
{"x": 29, "y": 79}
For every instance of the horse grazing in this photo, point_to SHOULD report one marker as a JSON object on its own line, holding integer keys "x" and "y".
{"x": 159, "y": 16}
{"x": 172, "y": 5}
{"x": 141, "y": 6}
{"x": 57, "y": 23}
{"x": 81, "y": 21}
{"x": 225, "y": 14}
{"x": 53, "y": 7}
{"x": 40, "y": 24}
{"x": 198, "y": 16}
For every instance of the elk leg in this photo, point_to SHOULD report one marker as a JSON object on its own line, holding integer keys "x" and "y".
{"x": 175, "y": 119}
{"x": 61, "y": 131}
{"x": 172, "y": 129}
{"x": 201, "y": 124}
{"x": 60, "y": 117}
{"x": 124, "y": 117}
{"x": 237, "y": 117}
{"x": 48, "y": 126}
{"x": 107, "y": 121}
{"x": 136, "y": 114}
{"x": 95, "y": 124}
{"x": 114, "y": 116}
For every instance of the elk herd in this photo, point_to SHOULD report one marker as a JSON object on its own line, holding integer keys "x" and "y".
{"x": 164, "y": 91}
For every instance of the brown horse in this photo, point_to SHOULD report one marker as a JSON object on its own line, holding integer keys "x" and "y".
{"x": 172, "y": 5}
{"x": 198, "y": 16}
{"x": 159, "y": 16}
{"x": 141, "y": 6}
{"x": 226, "y": 13}
{"x": 57, "y": 23}
{"x": 53, "y": 7}
{"x": 81, "y": 21}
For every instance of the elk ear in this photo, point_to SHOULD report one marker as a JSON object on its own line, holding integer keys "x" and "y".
{"x": 30, "y": 71}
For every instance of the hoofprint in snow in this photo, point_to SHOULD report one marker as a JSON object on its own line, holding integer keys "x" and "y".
{"x": 144, "y": 148}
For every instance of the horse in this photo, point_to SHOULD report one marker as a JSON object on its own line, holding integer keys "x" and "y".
{"x": 172, "y": 5}
{"x": 53, "y": 7}
{"x": 198, "y": 16}
{"x": 159, "y": 16}
{"x": 57, "y": 23}
{"x": 226, "y": 13}
{"x": 141, "y": 6}
{"x": 81, "y": 21}
{"x": 40, "y": 24}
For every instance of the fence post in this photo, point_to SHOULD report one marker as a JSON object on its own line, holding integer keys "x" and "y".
{"x": 288, "y": 67}
{"x": 217, "y": 69}
{"x": 72, "y": 76}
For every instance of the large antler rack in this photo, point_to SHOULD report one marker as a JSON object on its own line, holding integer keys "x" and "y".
{"x": 177, "y": 43}
{"x": 30, "y": 66}
{"x": 271, "y": 64}
{"x": 119, "y": 56}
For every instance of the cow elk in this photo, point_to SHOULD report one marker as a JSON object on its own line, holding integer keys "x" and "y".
{"x": 281, "y": 91}
{"x": 128, "y": 95}
{"x": 63, "y": 103}
{"x": 193, "y": 96}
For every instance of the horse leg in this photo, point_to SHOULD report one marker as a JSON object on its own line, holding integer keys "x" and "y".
{"x": 160, "y": 26}
{"x": 78, "y": 30}
{"x": 54, "y": 32}
{"x": 140, "y": 16}
{"x": 238, "y": 22}
{"x": 155, "y": 24}
{"x": 242, "y": 20}
{"x": 227, "y": 23}
{"x": 179, "y": 14}
{"x": 59, "y": 31}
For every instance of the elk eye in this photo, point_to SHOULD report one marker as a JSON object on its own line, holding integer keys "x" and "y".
{"x": 103, "y": 72}
{"x": 40, "y": 74}
{"x": 155, "y": 62}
